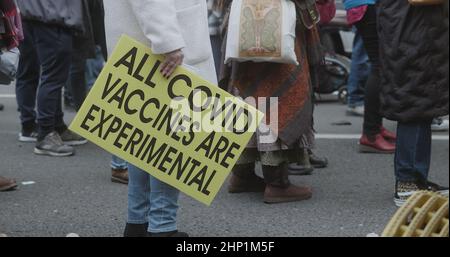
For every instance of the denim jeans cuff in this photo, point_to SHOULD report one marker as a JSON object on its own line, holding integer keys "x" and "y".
{"x": 353, "y": 105}
{"x": 119, "y": 167}
{"x": 163, "y": 230}
{"x": 137, "y": 222}
{"x": 407, "y": 180}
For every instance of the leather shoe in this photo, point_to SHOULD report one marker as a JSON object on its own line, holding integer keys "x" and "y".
{"x": 291, "y": 193}
{"x": 7, "y": 184}
{"x": 376, "y": 145}
{"x": 388, "y": 135}
{"x": 119, "y": 176}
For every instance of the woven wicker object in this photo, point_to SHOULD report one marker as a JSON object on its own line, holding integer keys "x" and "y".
{"x": 425, "y": 214}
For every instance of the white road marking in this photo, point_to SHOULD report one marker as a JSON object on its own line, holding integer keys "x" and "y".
{"x": 7, "y": 96}
{"x": 318, "y": 136}
{"x": 358, "y": 136}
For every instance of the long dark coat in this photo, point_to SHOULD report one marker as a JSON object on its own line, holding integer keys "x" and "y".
{"x": 414, "y": 44}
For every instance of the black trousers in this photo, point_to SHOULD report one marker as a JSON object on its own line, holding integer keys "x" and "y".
{"x": 367, "y": 27}
{"x": 76, "y": 89}
{"x": 43, "y": 70}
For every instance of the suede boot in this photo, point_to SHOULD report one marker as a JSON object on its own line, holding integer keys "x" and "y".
{"x": 279, "y": 189}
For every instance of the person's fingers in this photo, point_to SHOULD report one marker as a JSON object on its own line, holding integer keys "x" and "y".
{"x": 169, "y": 69}
{"x": 172, "y": 61}
{"x": 165, "y": 67}
{"x": 172, "y": 66}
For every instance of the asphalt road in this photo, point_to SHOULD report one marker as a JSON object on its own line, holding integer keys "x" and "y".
{"x": 353, "y": 197}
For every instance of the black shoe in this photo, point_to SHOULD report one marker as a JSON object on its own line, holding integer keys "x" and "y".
{"x": 300, "y": 169}
{"x": 317, "y": 162}
{"x": 404, "y": 190}
{"x": 303, "y": 167}
{"x": 135, "y": 230}
{"x": 2, "y": 107}
{"x": 168, "y": 234}
{"x": 437, "y": 188}
{"x": 29, "y": 133}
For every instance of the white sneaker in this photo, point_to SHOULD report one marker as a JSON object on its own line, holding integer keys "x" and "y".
{"x": 356, "y": 111}
{"x": 440, "y": 125}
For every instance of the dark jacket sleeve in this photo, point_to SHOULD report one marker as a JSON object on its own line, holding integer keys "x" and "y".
{"x": 97, "y": 13}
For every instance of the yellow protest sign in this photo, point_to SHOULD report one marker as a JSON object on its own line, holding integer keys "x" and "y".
{"x": 184, "y": 130}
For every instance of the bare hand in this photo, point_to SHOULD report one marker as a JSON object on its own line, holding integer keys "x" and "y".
{"x": 172, "y": 61}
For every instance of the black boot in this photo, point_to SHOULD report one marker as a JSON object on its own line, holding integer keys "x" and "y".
{"x": 168, "y": 234}
{"x": 244, "y": 180}
{"x": 303, "y": 167}
{"x": 316, "y": 161}
{"x": 135, "y": 230}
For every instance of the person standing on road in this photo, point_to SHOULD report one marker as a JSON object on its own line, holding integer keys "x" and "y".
{"x": 10, "y": 35}
{"x": 358, "y": 77}
{"x": 414, "y": 86}
{"x": 84, "y": 47}
{"x": 44, "y": 66}
{"x": 295, "y": 93}
{"x": 375, "y": 138}
{"x": 179, "y": 30}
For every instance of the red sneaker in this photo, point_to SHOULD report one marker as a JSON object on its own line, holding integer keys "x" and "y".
{"x": 379, "y": 145}
{"x": 388, "y": 135}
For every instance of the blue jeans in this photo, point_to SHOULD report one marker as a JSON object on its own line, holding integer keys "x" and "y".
{"x": 152, "y": 201}
{"x": 93, "y": 68}
{"x": 413, "y": 155}
{"x": 118, "y": 164}
{"x": 359, "y": 74}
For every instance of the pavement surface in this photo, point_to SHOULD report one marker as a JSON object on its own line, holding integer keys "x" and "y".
{"x": 58, "y": 196}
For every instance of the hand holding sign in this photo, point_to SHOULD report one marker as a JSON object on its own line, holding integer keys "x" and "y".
{"x": 172, "y": 61}
{"x": 184, "y": 130}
